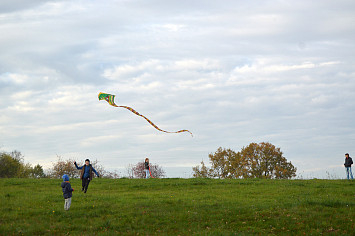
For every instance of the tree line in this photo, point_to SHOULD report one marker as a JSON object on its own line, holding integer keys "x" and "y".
{"x": 12, "y": 165}
{"x": 61, "y": 167}
{"x": 262, "y": 160}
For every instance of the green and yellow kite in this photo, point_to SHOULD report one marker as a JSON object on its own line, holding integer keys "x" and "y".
{"x": 110, "y": 99}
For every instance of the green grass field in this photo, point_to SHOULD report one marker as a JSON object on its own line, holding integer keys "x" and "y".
{"x": 178, "y": 207}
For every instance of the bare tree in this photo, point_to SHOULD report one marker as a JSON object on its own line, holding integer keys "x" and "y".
{"x": 129, "y": 170}
{"x": 61, "y": 167}
{"x": 111, "y": 175}
{"x": 155, "y": 170}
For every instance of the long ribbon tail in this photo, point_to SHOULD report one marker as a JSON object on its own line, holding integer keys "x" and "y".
{"x": 150, "y": 122}
{"x": 151, "y": 173}
{"x": 110, "y": 99}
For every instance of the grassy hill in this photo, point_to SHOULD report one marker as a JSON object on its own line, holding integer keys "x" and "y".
{"x": 178, "y": 207}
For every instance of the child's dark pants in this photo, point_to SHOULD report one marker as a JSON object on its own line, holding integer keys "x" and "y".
{"x": 85, "y": 184}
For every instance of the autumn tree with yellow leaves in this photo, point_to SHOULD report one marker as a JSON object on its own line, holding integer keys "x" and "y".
{"x": 262, "y": 160}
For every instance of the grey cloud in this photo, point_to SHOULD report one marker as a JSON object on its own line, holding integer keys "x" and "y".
{"x": 18, "y": 5}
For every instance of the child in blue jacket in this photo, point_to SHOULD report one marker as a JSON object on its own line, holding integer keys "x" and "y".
{"x": 86, "y": 174}
{"x": 67, "y": 192}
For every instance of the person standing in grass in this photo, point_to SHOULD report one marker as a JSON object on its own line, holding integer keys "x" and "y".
{"x": 146, "y": 168}
{"x": 347, "y": 164}
{"x": 86, "y": 174}
{"x": 67, "y": 192}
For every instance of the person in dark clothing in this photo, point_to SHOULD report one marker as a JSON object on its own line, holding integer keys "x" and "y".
{"x": 347, "y": 164}
{"x": 67, "y": 192}
{"x": 86, "y": 174}
{"x": 146, "y": 168}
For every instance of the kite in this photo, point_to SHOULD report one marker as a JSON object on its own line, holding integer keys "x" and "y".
{"x": 110, "y": 99}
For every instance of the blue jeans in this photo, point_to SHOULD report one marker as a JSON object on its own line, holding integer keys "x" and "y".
{"x": 146, "y": 173}
{"x": 348, "y": 169}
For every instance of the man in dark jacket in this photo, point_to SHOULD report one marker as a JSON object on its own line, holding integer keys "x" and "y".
{"x": 86, "y": 174}
{"x": 347, "y": 164}
{"x": 67, "y": 192}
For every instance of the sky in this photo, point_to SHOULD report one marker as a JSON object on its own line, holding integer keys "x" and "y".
{"x": 231, "y": 72}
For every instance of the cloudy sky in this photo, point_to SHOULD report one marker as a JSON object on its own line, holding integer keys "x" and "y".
{"x": 232, "y": 72}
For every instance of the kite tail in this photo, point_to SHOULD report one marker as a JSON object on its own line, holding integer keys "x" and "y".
{"x": 151, "y": 173}
{"x": 110, "y": 99}
{"x": 135, "y": 112}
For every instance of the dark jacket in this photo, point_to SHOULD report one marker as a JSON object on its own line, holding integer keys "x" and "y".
{"x": 146, "y": 165}
{"x": 67, "y": 190}
{"x": 348, "y": 162}
{"x": 84, "y": 169}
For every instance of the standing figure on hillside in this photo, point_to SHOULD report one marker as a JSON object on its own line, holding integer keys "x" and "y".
{"x": 86, "y": 175}
{"x": 146, "y": 168}
{"x": 347, "y": 164}
{"x": 67, "y": 192}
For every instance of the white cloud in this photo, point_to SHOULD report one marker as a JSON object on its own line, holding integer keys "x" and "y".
{"x": 169, "y": 27}
{"x": 14, "y": 78}
{"x": 128, "y": 70}
{"x": 193, "y": 64}
{"x": 99, "y": 140}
